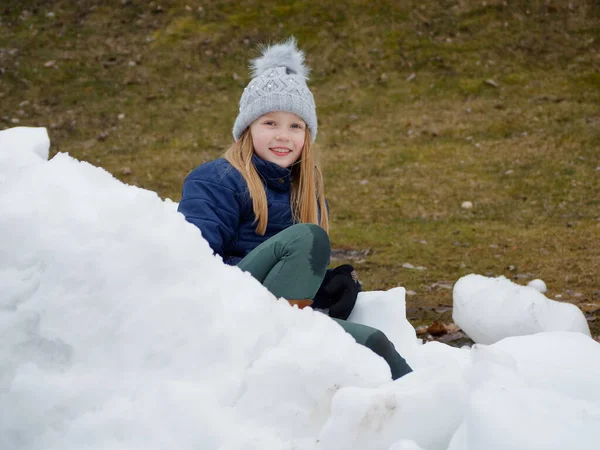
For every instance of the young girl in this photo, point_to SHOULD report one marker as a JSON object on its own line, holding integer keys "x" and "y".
{"x": 262, "y": 205}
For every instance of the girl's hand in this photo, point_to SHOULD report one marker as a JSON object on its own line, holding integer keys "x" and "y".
{"x": 338, "y": 292}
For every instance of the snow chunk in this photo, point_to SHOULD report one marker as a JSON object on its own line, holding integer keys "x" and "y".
{"x": 513, "y": 417}
{"x": 26, "y": 139}
{"x": 563, "y": 362}
{"x": 386, "y": 311}
{"x": 513, "y": 404}
{"x": 490, "y": 309}
{"x": 405, "y": 445}
{"x": 538, "y": 285}
{"x": 370, "y": 419}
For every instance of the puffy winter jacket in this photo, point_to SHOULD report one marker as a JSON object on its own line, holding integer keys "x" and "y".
{"x": 215, "y": 198}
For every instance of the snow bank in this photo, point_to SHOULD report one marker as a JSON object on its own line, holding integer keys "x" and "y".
{"x": 490, "y": 309}
{"x": 121, "y": 330}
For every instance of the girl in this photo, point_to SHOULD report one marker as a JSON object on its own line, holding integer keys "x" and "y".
{"x": 262, "y": 205}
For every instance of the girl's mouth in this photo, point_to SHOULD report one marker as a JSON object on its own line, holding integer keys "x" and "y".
{"x": 281, "y": 151}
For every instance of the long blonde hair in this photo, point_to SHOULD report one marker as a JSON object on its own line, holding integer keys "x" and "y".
{"x": 308, "y": 196}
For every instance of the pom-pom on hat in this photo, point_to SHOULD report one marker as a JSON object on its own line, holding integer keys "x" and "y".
{"x": 278, "y": 84}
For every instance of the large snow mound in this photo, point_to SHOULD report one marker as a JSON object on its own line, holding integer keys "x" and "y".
{"x": 114, "y": 310}
{"x": 121, "y": 330}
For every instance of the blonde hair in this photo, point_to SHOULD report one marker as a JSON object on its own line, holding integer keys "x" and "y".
{"x": 308, "y": 196}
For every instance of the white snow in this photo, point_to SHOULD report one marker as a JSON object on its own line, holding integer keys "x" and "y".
{"x": 515, "y": 402}
{"x": 491, "y": 309}
{"x": 386, "y": 310}
{"x": 121, "y": 330}
{"x": 538, "y": 285}
{"x": 25, "y": 140}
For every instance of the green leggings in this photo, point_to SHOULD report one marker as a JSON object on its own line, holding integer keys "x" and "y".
{"x": 280, "y": 264}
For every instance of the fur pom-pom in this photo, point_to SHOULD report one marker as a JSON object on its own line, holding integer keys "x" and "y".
{"x": 285, "y": 54}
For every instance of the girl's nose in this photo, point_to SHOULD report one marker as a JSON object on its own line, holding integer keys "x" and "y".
{"x": 282, "y": 137}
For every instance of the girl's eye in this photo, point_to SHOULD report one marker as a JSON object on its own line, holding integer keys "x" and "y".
{"x": 297, "y": 125}
{"x": 269, "y": 122}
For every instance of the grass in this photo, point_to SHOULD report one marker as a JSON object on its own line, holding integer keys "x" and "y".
{"x": 422, "y": 105}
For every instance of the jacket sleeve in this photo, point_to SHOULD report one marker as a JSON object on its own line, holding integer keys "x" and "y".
{"x": 211, "y": 203}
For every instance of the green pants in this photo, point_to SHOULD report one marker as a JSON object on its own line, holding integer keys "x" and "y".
{"x": 292, "y": 264}
{"x": 377, "y": 341}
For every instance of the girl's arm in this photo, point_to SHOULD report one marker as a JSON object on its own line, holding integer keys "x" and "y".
{"x": 210, "y": 202}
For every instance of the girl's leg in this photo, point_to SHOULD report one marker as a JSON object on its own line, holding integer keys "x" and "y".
{"x": 378, "y": 342}
{"x": 291, "y": 264}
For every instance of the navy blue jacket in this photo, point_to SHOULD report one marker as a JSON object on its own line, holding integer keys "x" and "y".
{"x": 215, "y": 198}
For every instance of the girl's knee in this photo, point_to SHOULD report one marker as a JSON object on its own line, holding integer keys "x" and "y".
{"x": 320, "y": 251}
{"x": 311, "y": 235}
{"x": 320, "y": 236}
{"x": 315, "y": 239}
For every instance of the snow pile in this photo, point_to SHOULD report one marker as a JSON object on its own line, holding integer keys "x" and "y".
{"x": 121, "y": 330}
{"x": 114, "y": 311}
{"x": 491, "y": 309}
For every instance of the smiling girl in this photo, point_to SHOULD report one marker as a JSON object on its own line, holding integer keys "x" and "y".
{"x": 262, "y": 205}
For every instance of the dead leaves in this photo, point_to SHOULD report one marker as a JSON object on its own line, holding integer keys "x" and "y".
{"x": 447, "y": 333}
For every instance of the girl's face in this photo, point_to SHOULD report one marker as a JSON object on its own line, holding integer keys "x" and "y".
{"x": 278, "y": 137}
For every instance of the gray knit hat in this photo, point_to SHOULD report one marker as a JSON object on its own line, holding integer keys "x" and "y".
{"x": 278, "y": 84}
